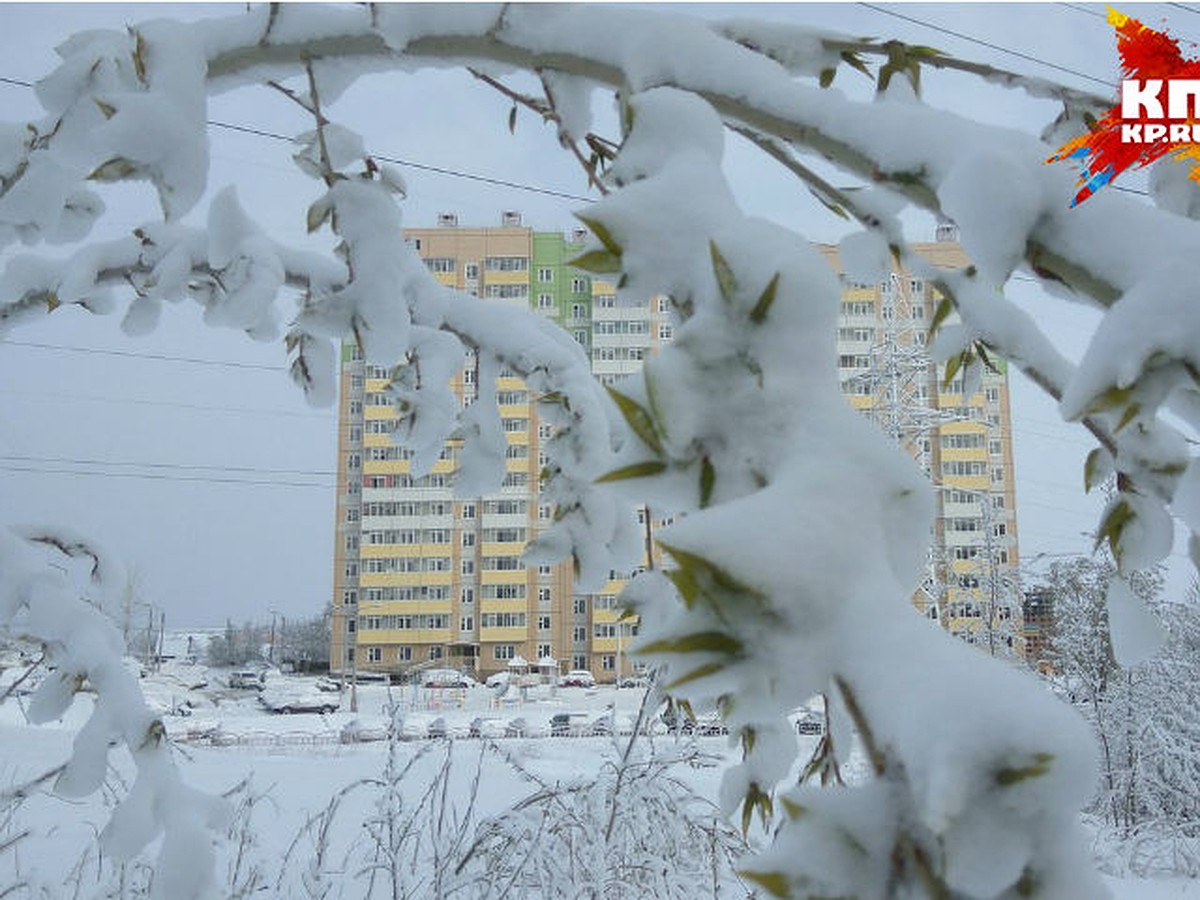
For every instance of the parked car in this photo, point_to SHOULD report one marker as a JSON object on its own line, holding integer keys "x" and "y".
{"x": 286, "y": 695}
{"x": 578, "y": 678}
{"x": 568, "y": 724}
{"x": 486, "y": 727}
{"x": 325, "y": 683}
{"x": 810, "y": 723}
{"x": 634, "y": 681}
{"x": 518, "y": 727}
{"x": 446, "y": 678}
{"x": 247, "y": 679}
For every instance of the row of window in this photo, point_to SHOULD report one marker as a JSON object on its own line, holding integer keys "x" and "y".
{"x": 387, "y": 564}
{"x": 507, "y": 291}
{"x": 405, "y": 593}
{"x": 503, "y": 620}
{"x": 612, "y": 354}
{"x": 403, "y": 622}
{"x": 407, "y": 536}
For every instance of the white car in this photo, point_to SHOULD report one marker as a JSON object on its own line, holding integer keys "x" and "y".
{"x": 285, "y": 695}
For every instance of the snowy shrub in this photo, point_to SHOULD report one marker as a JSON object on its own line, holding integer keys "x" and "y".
{"x": 801, "y": 530}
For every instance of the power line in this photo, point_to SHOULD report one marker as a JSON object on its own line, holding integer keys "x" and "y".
{"x": 155, "y": 356}
{"x": 412, "y": 164}
{"x": 187, "y": 467}
{"x": 171, "y": 404}
{"x": 155, "y": 476}
{"x": 982, "y": 43}
{"x": 426, "y": 167}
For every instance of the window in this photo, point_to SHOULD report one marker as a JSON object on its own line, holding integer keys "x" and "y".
{"x": 404, "y": 654}
{"x": 545, "y": 276}
{"x": 440, "y": 264}
{"x": 543, "y": 623}
{"x": 608, "y": 662}
{"x": 544, "y": 651}
{"x": 545, "y": 301}
{"x": 581, "y": 606}
{"x": 468, "y": 596}
{"x": 375, "y": 654}
{"x": 466, "y": 624}
{"x": 468, "y": 511}
{"x": 581, "y": 337}
{"x": 507, "y": 291}
{"x": 468, "y": 539}
{"x": 471, "y": 270}
{"x": 504, "y": 651}
{"x": 504, "y": 592}
{"x": 503, "y": 620}
{"x": 665, "y": 332}
{"x": 578, "y": 311}
{"x": 579, "y": 285}
{"x": 544, "y": 595}
{"x": 579, "y": 634}
{"x": 468, "y": 567}
{"x": 507, "y": 264}
{"x": 349, "y": 598}
{"x": 579, "y": 661}
{"x": 351, "y": 626}
{"x": 435, "y": 652}
{"x": 351, "y": 570}
{"x": 664, "y": 304}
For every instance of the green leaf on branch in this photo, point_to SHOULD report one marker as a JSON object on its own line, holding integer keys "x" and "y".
{"x": 698, "y": 579}
{"x": 1110, "y": 399}
{"x": 774, "y": 883}
{"x": 1114, "y": 522}
{"x": 318, "y": 214}
{"x": 765, "y": 301}
{"x": 1131, "y": 412}
{"x": 114, "y": 169}
{"x": 638, "y": 418}
{"x": 834, "y": 208}
{"x": 854, "y": 61}
{"x": 1039, "y": 767}
{"x": 726, "y": 281}
{"x": 944, "y": 308}
{"x": 708, "y": 478}
{"x": 756, "y": 799}
{"x": 598, "y": 262}
{"x": 826, "y": 78}
{"x": 1092, "y": 468}
{"x": 697, "y": 642}
{"x": 954, "y": 363}
{"x": 637, "y": 470}
{"x": 701, "y": 672}
{"x": 603, "y": 235}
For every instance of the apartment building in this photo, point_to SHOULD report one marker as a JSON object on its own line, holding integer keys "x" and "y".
{"x": 962, "y": 441}
{"x": 423, "y": 578}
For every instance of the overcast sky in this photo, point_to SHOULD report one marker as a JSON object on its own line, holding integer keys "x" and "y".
{"x": 191, "y": 456}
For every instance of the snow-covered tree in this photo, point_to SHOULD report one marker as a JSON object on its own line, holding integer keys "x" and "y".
{"x": 804, "y": 529}
{"x": 1144, "y": 714}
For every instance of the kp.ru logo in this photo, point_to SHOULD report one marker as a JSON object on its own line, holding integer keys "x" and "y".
{"x": 1143, "y": 128}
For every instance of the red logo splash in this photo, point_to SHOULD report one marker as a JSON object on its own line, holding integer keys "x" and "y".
{"x": 1156, "y": 115}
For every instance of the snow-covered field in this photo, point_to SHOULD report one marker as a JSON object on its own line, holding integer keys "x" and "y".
{"x": 303, "y": 793}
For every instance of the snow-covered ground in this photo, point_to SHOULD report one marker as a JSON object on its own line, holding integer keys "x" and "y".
{"x": 290, "y": 767}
